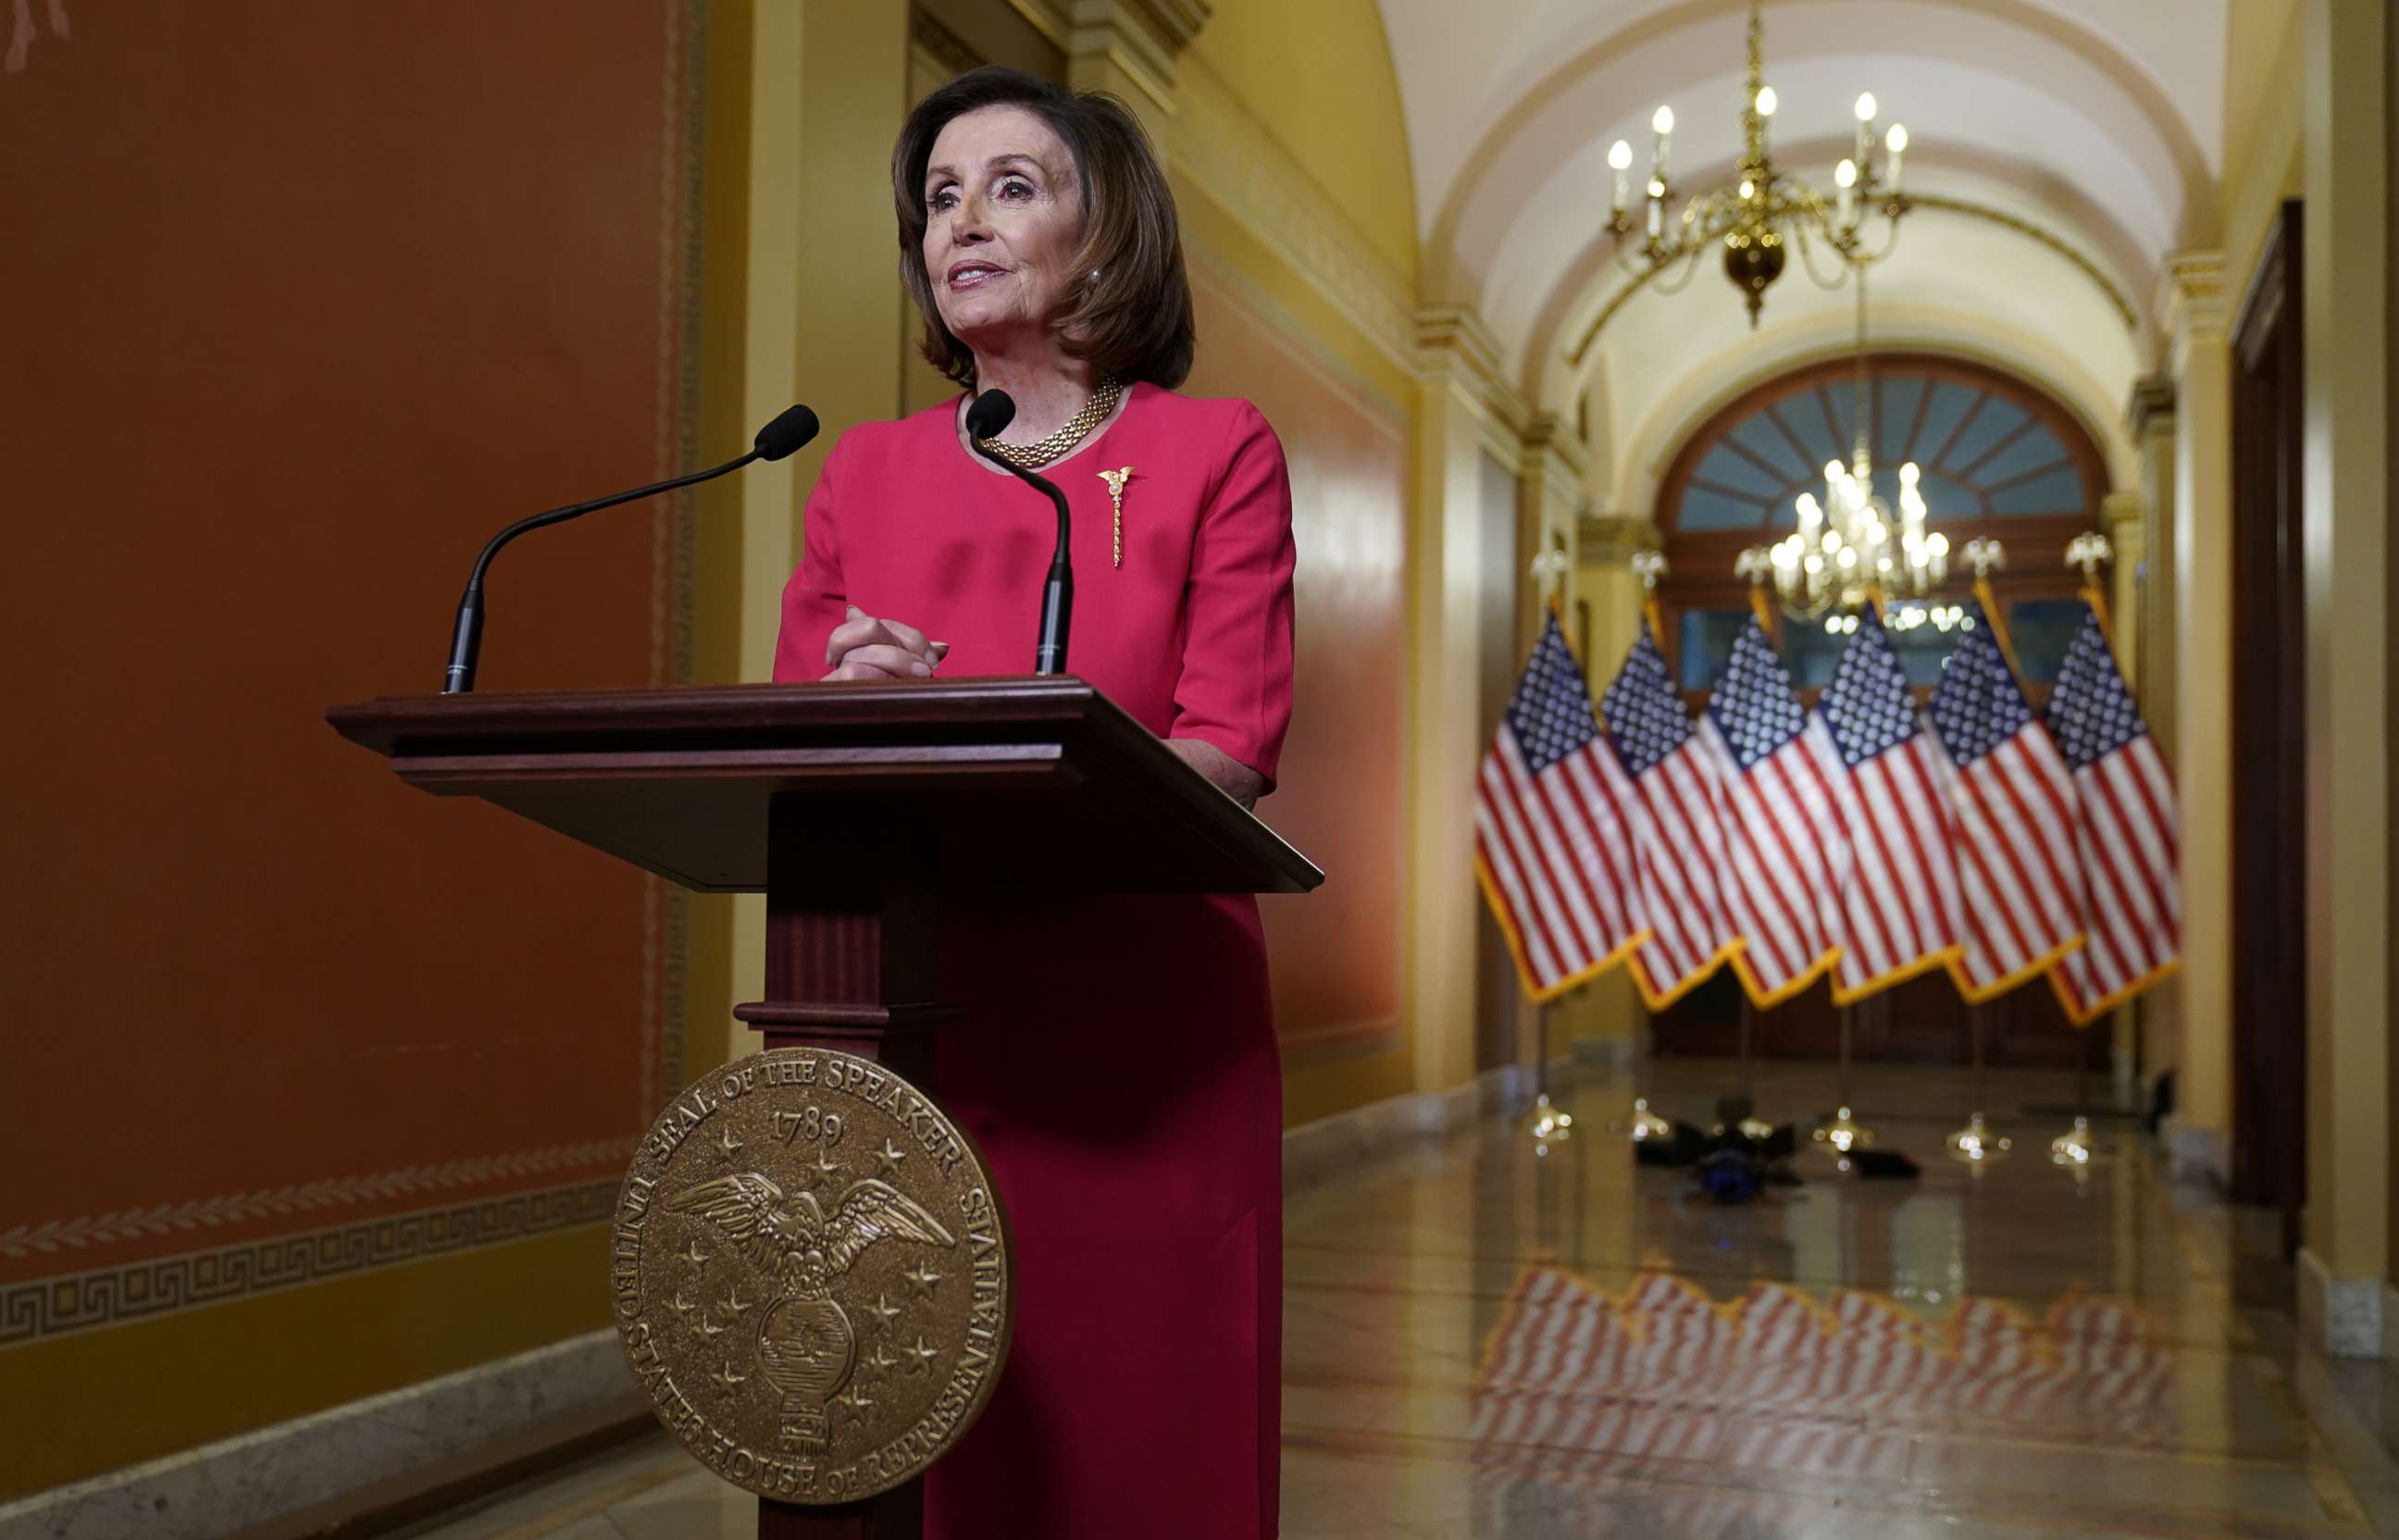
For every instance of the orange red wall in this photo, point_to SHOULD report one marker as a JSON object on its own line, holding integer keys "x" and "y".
{"x": 301, "y": 303}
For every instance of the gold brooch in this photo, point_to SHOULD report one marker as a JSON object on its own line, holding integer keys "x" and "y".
{"x": 1116, "y": 481}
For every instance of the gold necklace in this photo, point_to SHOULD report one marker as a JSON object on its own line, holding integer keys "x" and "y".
{"x": 1033, "y": 457}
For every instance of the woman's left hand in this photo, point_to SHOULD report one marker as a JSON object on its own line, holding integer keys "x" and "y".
{"x": 1224, "y": 772}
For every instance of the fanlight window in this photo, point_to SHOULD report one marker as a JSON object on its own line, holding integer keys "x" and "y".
{"x": 1997, "y": 456}
{"x": 1989, "y": 447}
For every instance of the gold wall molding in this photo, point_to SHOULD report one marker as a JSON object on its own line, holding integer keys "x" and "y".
{"x": 1221, "y": 148}
{"x": 946, "y": 49}
{"x": 2150, "y": 408}
{"x": 675, "y": 583}
{"x": 78, "y": 1302}
{"x": 2189, "y": 301}
{"x": 1615, "y": 536}
{"x": 1568, "y": 462}
{"x": 167, "y": 1219}
{"x": 1106, "y": 42}
{"x": 1452, "y": 342}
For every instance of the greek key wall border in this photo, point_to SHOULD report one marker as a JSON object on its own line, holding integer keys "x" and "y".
{"x": 111, "y": 1296}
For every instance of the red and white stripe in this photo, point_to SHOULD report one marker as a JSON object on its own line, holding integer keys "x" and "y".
{"x": 2012, "y": 824}
{"x": 1559, "y": 859}
{"x": 2127, "y": 850}
{"x": 1899, "y": 907}
{"x": 1781, "y": 860}
{"x": 1670, "y": 809}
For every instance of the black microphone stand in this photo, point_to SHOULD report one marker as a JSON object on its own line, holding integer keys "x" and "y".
{"x": 786, "y": 434}
{"x": 468, "y": 638}
{"x": 990, "y": 413}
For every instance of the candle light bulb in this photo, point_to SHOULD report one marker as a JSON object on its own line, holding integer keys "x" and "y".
{"x": 1765, "y": 102}
{"x": 1865, "y": 106}
{"x": 1620, "y": 154}
{"x": 1846, "y": 173}
{"x": 1908, "y": 474}
{"x": 1897, "y": 139}
{"x": 1663, "y": 121}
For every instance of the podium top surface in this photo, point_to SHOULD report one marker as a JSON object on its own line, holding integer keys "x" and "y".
{"x": 1039, "y": 783}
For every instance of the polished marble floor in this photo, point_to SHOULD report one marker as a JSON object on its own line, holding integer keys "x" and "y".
{"x": 1487, "y": 1342}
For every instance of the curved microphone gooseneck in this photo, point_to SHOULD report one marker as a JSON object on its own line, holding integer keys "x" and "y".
{"x": 785, "y": 434}
{"x": 991, "y": 412}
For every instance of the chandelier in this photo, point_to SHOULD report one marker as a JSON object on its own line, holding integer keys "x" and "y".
{"x": 1853, "y": 544}
{"x": 1756, "y": 220}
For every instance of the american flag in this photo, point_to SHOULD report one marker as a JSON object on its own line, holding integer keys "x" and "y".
{"x": 1899, "y": 906}
{"x": 1552, "y": 848}
{"x": 2125, "y": 834}
{"x": 1784, "y": 851}
{"x": 2012, "y": 821}
{"x": 1667, "y": 794}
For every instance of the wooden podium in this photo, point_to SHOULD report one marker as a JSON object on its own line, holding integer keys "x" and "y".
{"x": 851, "y": 807}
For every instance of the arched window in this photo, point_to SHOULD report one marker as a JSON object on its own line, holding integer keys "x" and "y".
{"x": 1998, "y": 457}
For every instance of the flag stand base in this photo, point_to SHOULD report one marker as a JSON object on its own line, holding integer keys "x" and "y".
{"x": 1976, "y": 1146}
{"x": 1644, "y": 1125}
{"x": 1545, "y": 1123}
{"x": 2074, "y": 1147}
{"x": 1844, "y": 1133}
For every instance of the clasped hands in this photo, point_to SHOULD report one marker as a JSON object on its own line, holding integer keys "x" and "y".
{"x": 865, "y": 648}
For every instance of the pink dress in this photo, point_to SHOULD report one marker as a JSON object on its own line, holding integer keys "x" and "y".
{"x": 1131, "y": 1105}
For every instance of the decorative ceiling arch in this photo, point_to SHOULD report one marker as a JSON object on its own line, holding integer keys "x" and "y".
{"x": 1618, "y": 76}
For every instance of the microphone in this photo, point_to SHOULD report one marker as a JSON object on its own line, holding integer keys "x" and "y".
{"x": 786, "y": 434}
{"x": 991, "y": 412}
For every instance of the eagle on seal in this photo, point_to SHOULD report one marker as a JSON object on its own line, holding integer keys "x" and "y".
{"x": 794, "y": 1242}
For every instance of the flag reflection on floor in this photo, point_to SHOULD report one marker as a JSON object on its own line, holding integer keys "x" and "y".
{"x": 1576, "y": 1385}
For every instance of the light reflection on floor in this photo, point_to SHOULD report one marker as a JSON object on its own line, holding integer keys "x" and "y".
{"x": 1485, "y": 1342}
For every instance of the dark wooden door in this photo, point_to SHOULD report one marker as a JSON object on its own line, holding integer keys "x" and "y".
{"x": 2269, "y": 765}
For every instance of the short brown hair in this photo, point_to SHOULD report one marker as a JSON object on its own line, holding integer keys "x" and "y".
{"x": 1135, "y": 320}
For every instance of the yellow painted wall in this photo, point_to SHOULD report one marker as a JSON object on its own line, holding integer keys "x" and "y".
{"x": 1319, "y": 75}
{"x": 2308, "y": 114}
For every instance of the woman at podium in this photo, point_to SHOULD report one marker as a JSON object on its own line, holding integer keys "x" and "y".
{"x": 1119, "y": 1066}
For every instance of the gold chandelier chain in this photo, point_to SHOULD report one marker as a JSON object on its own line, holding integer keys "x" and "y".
{"x": 1041, "y": 452}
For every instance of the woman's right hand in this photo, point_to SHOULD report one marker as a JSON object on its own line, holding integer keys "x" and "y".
{"x": 864, "y": 647}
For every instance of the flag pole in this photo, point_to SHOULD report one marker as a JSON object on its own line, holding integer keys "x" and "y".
{"x": 1752, "y": 1127}
{"x": 2073, "y": 1149}
{"x": 1845, "y": 1133}
{"x": 1544, "y": 1123}
{"x": 1641, "y": 1125}
{"x": 1975, "y": 1143}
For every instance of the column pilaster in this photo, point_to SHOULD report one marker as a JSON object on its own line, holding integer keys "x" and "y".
{"x": 2191, "y": 316}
